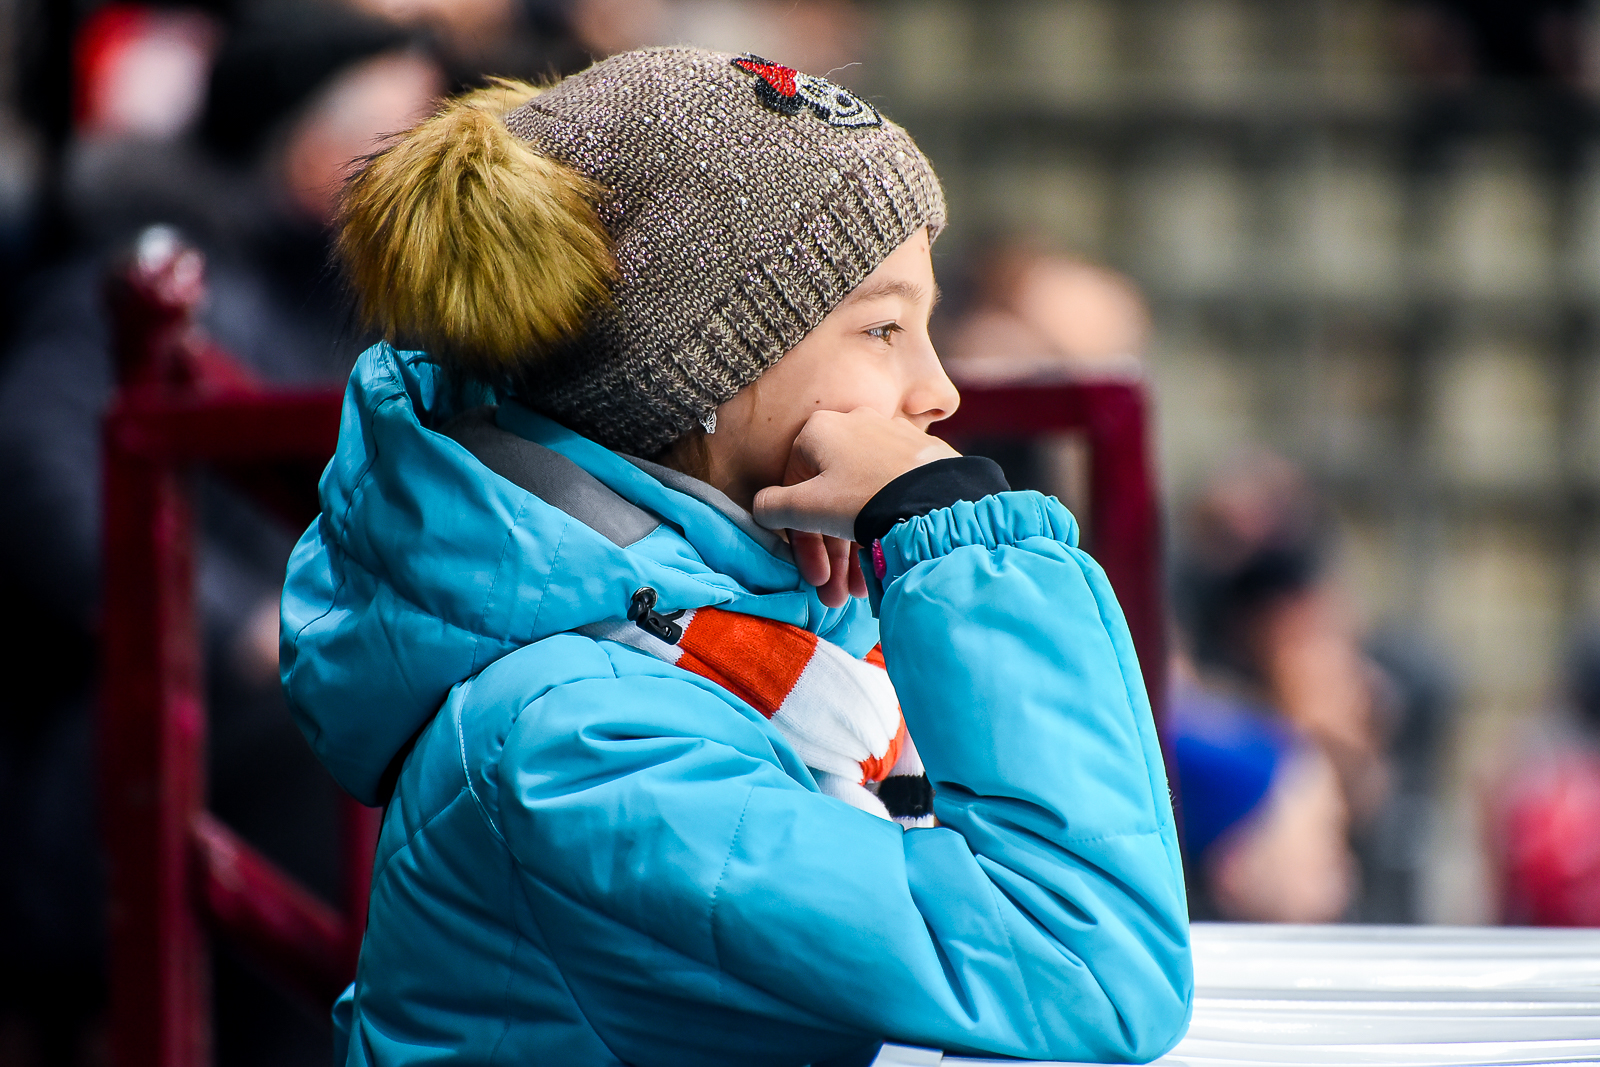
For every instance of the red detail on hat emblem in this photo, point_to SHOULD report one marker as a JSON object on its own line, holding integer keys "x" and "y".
{"x": 788, "y": 92}
{"x": 776, "y": 75}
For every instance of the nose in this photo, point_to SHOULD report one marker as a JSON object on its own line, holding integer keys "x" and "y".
{"x": 930, "y": 394}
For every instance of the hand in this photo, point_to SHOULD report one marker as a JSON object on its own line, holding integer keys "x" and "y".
{"x": 838, "y": 462}
{"x": 831, "y": 564}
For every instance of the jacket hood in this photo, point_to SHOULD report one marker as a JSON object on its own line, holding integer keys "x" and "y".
{"x": 425, "y": 567}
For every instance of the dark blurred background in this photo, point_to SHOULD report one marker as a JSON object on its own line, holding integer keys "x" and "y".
{"x": 1352, "y": 245}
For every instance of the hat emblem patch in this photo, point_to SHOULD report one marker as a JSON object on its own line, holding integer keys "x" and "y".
{"x": 788, "y": 92}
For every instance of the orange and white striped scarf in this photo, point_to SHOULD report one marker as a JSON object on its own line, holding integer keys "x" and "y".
{"x": 839, "y": 713}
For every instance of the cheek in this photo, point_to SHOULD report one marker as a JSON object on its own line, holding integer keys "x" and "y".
{"x": 851, "y": 384}
{"x": 861, "y": 383}
{"x": 760, "y": 428}
{"x": 823, "y": 374}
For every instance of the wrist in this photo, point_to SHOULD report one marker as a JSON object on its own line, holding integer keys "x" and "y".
{"x": 994, "y": 522}
{"x": 927, "y": 488}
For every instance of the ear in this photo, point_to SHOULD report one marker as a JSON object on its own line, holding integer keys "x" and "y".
{"x": 462, "y": 238}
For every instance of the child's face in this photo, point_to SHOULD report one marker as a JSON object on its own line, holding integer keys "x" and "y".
{"x": 871, "y": 351}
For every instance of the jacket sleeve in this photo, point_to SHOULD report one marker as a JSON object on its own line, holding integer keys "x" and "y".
{"x": 1044, "y": 918}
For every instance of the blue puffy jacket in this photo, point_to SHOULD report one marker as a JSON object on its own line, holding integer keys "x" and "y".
{"x": 593, "y": 857}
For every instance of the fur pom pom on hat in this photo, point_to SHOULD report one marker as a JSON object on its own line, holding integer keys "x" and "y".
{"x": 467, "y": 240}
{"x": 630, "y": 247}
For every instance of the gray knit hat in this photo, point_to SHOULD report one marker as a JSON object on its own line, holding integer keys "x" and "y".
{"x": 741, "y": 202}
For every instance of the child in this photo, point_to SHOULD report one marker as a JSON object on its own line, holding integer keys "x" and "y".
{"x": 641, "y": 783}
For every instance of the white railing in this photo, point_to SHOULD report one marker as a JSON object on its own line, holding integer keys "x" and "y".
{"x": 1418, "y": 996}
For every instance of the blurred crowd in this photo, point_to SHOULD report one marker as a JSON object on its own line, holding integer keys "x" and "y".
{"x": 1306, "y": 748}
{"x": 231, "y": 127}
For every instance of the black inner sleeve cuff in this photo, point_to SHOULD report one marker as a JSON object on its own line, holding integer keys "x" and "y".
{"x": 927, "y": 488}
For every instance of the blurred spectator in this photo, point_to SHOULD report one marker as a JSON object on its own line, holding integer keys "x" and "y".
{"x": 535, "y": 39}
{"x": 1545, "y": 830}
{"x": 292, "y": 100}
{"x": 822, "y": 36}
{"x": 1254, "y": 603}
{"x": 606, "y": 27}
{"x": 825, "y": 37}
{"x": 1264, "y": 820}
{"x": 465, "y": 25}
{"x": 293, "y": 96}
{"x": 141, "y": 71}
{"x": 1264, "y": 625}
{"x": 1038, "y": 314}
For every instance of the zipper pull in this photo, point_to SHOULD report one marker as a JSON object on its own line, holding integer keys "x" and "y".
{"x": 642, "y": 612}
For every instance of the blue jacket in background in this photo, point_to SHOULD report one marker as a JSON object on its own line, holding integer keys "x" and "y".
{"x": 593, "y": 857}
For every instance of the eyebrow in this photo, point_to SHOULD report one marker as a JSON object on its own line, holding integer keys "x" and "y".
{"x": 892, "y": 287}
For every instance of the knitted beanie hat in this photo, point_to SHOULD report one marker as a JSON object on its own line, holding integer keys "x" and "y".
{"x": 632, "y": 246}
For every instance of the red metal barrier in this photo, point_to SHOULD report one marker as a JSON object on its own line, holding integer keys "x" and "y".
{"x": 1124, "y": 528}
{"x": 175, "y": 873}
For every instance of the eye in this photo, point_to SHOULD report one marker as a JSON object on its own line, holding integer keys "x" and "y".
{"x": 885, "y": 332}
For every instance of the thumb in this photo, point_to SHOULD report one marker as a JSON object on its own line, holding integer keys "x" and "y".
{"x": 801, "y": 507}
{"x": 776, "y": 506}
